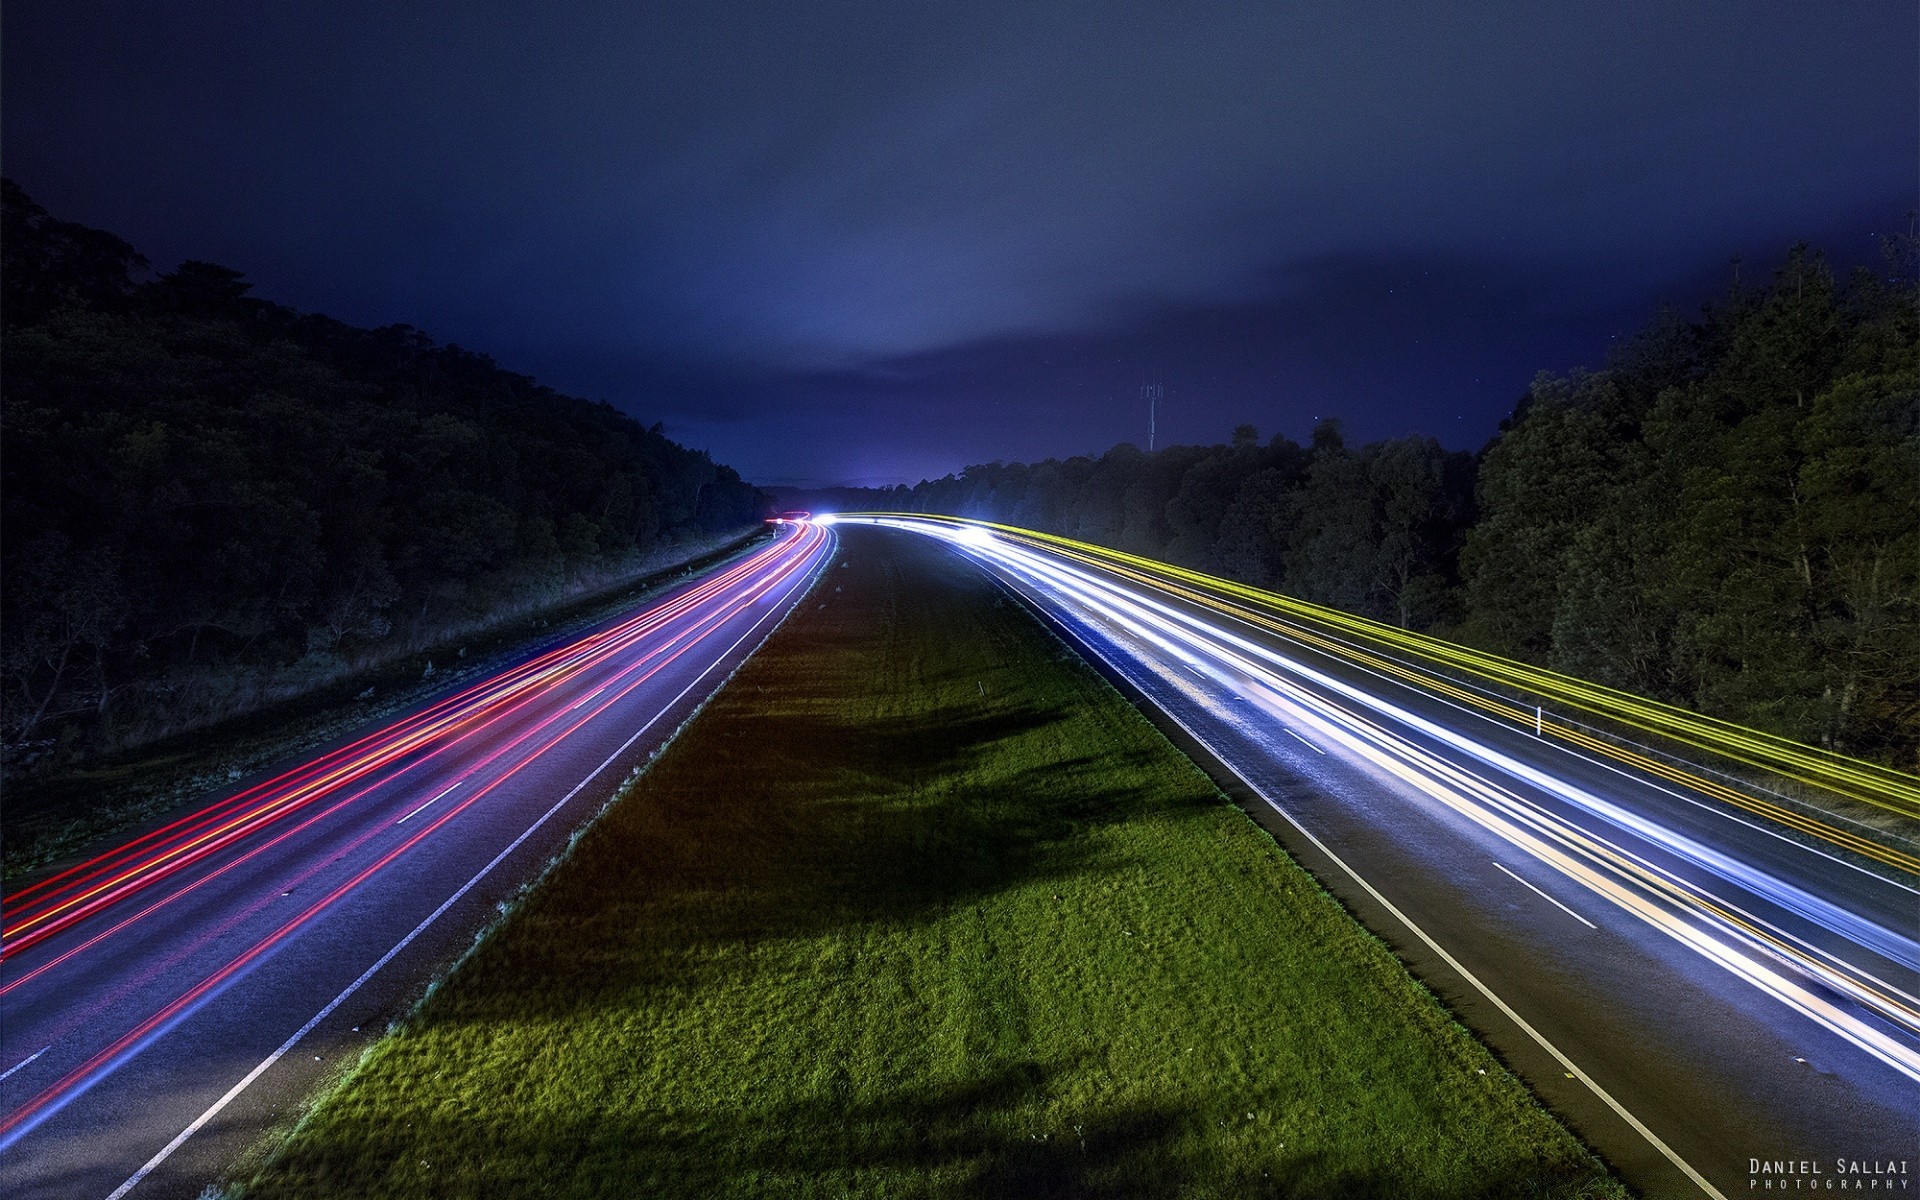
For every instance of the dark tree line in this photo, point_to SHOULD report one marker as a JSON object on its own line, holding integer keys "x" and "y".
{"x": 210, "y": 499}
{"x": 1726, "y": 517}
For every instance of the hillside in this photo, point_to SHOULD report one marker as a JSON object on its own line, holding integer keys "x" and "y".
{"x": 212, "y": 501}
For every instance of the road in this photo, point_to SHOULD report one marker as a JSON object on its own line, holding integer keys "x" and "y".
{"x": 1717, "y": 1005}
{"x": 163, "y": 1003}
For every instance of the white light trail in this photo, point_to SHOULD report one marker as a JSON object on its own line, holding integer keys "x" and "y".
{"x": 1839, "y": 995}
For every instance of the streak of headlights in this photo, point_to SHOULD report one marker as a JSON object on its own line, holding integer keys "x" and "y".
{"x": 1872, "y": 1014}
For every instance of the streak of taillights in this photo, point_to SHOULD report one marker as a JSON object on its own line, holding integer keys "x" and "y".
{"x": 216, "y": 873}
{"x": 798, "y": 554}
{"x": 386, "y": 744}
{"x": 112, "y": 877}
{"x": 543, "y": 665}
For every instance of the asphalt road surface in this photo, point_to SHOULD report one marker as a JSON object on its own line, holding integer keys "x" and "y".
{"x": 165, "y": 1002}
{"x": 1713, "y": 1004}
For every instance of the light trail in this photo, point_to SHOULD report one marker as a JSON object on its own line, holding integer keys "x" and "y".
{"x": 36, "y": 918}
{"x": 635, "y": 652}
{"x": 1846, "y": 972}
{"x": 43, "y": 909}
{"x": 1857, "y": 779}
{"x": 1471, "y": 678}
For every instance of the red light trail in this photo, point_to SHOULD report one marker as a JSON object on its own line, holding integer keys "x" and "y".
{"x": 635, "y": 651}
{"x": 43, "y": 909}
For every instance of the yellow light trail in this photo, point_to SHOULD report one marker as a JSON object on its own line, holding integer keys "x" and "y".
{"x": 1327, "y": 630}
{"x": 1722, "y": 931}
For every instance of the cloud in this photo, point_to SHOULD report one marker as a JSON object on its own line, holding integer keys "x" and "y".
{"x": 680, "y": 207}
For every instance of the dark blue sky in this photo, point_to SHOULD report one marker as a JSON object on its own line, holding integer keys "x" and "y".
{"x": 874, "y": 241}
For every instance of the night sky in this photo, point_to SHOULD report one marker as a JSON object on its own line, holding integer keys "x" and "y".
{"x": 838, "y": 242}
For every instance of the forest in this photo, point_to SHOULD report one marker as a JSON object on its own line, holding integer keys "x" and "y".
{"x": 1725, "y": 516}
{"x": 209, "y": 501}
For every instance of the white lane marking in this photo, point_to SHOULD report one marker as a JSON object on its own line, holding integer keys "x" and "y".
{"x": 1571, "y": 1068}
{"x": 1560, "y": 1056}
{"x": 23, "y": 1062}
{"x": 266, "y": 1064}
{"x": 416, "y": 812}
{"x": 577, "y": 703}
{"x": 1549, "y": 899}
{"x": 1304, "y": 742}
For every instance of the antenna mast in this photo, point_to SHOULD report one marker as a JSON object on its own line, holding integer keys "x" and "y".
{"x": 1151, "y": 393}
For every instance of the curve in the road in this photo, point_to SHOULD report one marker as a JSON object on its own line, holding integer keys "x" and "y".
{"x": 1817, "y": 936}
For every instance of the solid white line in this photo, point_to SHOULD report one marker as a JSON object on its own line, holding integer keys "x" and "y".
{"x": 1560, "y": 1056}
{"x": 1304, "y": 742}
{"x": 416, "y": 812}
{"x": 1539, "y": 1038}
{"x": 233, "y": 1093}
{"x": 23, "y": 1062}
{"x": 1549, "y": 899}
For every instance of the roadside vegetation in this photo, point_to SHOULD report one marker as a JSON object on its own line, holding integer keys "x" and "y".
{"x": 62, "y": 812}
{"x": 919, "y": 906}
{"x": 211, "y": 503}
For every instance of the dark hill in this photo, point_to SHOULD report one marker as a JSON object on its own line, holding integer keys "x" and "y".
{"x": 210, "y": 500}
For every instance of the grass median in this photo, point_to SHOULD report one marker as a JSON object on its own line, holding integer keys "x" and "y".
{"x": 919, "y": 906}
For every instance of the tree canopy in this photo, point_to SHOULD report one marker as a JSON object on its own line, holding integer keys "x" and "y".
{"x": 210, "y": 498}
{"x": 1725, "y": 516}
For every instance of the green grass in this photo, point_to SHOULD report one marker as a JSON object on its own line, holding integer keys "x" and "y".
{"x": 919, "y": 906}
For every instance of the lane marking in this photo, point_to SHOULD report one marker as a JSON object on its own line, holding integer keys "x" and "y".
{"x": 416, "y": 812}
{"x": 1549, "y": 899}
{"x": 1571, "y": 1069}
{"x": 267, "y": 1063}
{"x": 1304, "y": 742}
{"x": 589, "y": 696}
{"x": 23, "y": 1062}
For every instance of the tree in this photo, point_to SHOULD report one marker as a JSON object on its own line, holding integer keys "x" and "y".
{"x": 210, "y": 500}
{"x": 1540, "y": 484}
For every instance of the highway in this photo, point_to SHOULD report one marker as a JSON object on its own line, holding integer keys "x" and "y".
{"x": 163, "y": 1003}
{"x": 1713, "y": 996}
